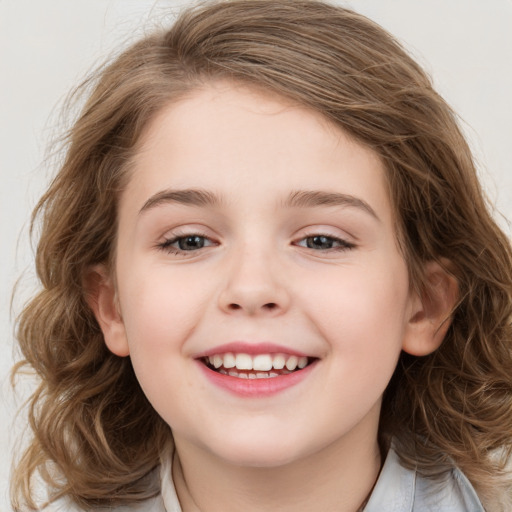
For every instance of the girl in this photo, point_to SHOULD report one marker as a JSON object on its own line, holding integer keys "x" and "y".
{"x": 270, "y": 281}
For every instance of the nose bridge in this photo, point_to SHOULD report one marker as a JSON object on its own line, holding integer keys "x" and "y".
{"x": 254, "y": 283}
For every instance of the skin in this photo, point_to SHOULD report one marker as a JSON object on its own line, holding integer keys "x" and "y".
{"x": 261, "y": 278}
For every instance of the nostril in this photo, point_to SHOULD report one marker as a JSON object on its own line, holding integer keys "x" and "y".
{"x": 269, "y": 306}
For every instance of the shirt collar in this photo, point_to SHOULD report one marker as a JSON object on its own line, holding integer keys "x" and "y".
{"x": 398, "y": 489}
{"x": 168, "y": 491}
{"x": 394, "y": 490}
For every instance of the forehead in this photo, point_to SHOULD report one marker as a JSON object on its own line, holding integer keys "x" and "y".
{"x": 226, "y": 137}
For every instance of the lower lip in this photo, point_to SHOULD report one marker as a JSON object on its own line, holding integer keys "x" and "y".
{"x": 255, "y": 388}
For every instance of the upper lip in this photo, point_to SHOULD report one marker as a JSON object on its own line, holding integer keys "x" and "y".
{"x": 243, "y": 347}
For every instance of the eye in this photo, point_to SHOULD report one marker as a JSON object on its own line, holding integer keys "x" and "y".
{"x": 325, "y": 243}
{"x": 185, "y": 243}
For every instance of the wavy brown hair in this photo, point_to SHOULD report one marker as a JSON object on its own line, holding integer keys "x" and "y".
{"x": 95, "y": 436}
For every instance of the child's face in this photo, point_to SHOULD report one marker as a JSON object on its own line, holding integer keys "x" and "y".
{"x": 251, "y": 222}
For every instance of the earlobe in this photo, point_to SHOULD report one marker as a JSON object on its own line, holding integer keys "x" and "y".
{"x": 431, "y": 311}
{"x": 101, "y": 297}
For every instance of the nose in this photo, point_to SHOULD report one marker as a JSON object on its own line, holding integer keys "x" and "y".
{"x": 254, "y": 285}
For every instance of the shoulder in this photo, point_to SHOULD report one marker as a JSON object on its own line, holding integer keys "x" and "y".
{"x": 165, "y": 501}
{"x": 452, "y": 492}
{"x": 155, "y": 504}
{"x": 66, "y": 505}
{"x": 400, "y": 489}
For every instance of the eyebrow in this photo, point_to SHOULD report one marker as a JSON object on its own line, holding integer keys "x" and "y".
{"x": 296, "y": 199}
{"x": 193, "y": 197}
{"x": 316, "y": 198}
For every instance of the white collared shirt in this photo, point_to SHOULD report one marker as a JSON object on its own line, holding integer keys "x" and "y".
{"x": 398, "y": 489}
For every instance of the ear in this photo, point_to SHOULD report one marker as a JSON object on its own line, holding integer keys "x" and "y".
{"x": 101, "y": 296}
{"x": 430, "y": 315}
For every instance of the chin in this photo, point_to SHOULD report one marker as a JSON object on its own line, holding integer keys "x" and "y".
{"x": 259, "y": 453}
{"x": 257, "y": 459}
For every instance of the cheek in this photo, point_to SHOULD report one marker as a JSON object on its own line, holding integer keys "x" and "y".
{"x": 363, "y": 311}
{"x": 159, "y": 310}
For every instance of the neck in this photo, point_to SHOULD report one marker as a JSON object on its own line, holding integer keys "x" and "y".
{"x": 338, "y": 478}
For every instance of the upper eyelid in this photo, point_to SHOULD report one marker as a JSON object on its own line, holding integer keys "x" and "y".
{"x": 182, "y": 233}
{"x": 168, "y": 245}
{"x": 334, "y": 232}
{"x": 344, "y": 236}
{"x": 175, "y": 237}
{"x": 343, "y": 242}
{"x": 188, "y": 230}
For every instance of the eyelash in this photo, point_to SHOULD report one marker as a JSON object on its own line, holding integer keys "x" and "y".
{"x": 343, "y": 244}
{"x": 167, "y": 244}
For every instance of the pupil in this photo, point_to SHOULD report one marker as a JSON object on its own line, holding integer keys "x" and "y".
{"x": 191, "y": 242}
{"x": 319, "y": 242}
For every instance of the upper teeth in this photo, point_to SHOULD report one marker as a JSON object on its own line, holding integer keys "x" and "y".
{"x": 260, "y": 362}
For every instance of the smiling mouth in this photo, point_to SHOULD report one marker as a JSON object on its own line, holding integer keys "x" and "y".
{"x": 260, "y": 366}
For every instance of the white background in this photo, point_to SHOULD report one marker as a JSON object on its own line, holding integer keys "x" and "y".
{"x": 47, "y": 46}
